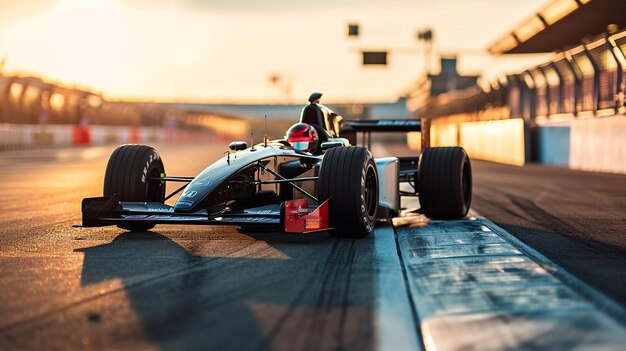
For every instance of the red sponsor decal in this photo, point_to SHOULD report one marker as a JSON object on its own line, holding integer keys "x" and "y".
{"x": 298, "y": 220}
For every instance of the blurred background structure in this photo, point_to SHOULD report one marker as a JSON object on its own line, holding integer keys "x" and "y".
{"x": 567, "y": 110}
{"x": 549, "y": 90}
{"x": 38, "y": 113}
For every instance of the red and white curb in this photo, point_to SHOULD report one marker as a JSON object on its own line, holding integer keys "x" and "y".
{"x": 24, "y": 136}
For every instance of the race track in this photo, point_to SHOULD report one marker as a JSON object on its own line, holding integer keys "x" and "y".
{"x": 190, "y": 287}
{"x": 216, "y": 288}
{"x": 575, "y": 218}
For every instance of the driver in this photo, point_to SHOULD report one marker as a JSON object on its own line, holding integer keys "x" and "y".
{"x": 303, "y": 137}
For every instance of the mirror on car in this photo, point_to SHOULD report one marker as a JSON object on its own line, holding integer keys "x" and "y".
{"x": 238, "y": 145}
{"x": 330, "y": 144}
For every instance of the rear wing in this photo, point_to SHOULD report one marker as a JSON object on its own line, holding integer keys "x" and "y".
{"x": 351, "y": 128}
{"x": 384, "y": 125}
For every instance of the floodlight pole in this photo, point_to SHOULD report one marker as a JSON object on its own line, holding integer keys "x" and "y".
{"x": 426, "y": 36}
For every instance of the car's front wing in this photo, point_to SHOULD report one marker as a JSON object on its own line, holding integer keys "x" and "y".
{"x": 107, "y": 210}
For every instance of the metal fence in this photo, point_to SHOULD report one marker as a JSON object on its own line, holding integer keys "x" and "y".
{"x": 585, "y": 80}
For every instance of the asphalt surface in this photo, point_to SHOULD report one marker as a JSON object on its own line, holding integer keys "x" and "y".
{"x": 576, "y": 219}
{"x": 216, "y": 288}
{"x": 178, "y": 287}
{"x": 476, "y": 287}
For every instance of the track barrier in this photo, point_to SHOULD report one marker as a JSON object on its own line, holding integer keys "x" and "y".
{"x": 25, "y": 136}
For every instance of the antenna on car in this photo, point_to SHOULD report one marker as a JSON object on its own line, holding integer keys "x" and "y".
{"x": 252, "y": 141}
{"x": 265, "y": 132}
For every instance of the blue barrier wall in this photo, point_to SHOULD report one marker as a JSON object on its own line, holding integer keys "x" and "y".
{"x": 595, "y": 144}
{"x": 554, "y": 145}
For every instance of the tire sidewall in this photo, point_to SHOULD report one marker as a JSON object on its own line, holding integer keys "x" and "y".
{"x": 442, "y": 189}
{"x": 368, "y": 221}
{"x": 152, "y": 165}
{"x": 466, "y": 165}
{"x": 128, "y": 174}
{"x": 151, "y": 162}
{"x": 343, "y": 179}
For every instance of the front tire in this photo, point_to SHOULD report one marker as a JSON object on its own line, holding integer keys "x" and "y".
{"x": 128, "y": 176}
{"x": 348, "y": 177}
{"x": 445, "y": 182}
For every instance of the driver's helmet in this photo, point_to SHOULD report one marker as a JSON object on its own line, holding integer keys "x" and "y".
{"x": 303, "y": 137}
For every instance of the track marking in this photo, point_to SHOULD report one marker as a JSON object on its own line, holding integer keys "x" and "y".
{"x": 471, "y": 279}
{"x": 395, "y": 321}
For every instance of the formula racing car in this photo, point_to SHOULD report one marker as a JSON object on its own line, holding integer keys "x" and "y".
{"x": 312, "y": 180}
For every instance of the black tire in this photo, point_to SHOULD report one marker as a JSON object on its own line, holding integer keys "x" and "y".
{"x": 445, "y": 182}
{"x": 127, "y": 176}
{"x": 348, "y": 177}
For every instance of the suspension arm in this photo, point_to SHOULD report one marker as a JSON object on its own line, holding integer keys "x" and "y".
{"x": 290, "y": 181}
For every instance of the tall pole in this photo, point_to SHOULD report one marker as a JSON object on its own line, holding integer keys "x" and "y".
{"x": 425, "y": 133}
{"x": 428, "y": 46}
{"x": 426, "y": 36}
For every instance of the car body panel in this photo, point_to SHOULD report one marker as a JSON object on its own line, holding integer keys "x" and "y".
{"x": 215, "y": 174}
{"x": 221, "y": 170}
{"x": 388, "y": 186}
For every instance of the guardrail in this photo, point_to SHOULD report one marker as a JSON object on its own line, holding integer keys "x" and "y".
{"x": 585, "y": 80}
{"x": 24, "y": 136}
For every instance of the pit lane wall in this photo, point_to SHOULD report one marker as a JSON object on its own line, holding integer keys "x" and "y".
{"x": 569, "y": 111}
{"x": 591, "y": 144}
{"x": 493, "y": 140}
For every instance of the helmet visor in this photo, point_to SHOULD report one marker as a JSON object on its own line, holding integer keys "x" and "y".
{"x": 300, "y": 145}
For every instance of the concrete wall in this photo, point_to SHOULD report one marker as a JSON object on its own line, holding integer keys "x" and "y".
{"x": 594, "y": 144}
{"x": 598, "y": 144}
{"x": 553, "y": 144}
{"x": 591, "y": 144}
{"x": 498, "y": 141}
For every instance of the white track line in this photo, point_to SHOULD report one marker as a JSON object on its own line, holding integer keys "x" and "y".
{"x": 395, "y": 321}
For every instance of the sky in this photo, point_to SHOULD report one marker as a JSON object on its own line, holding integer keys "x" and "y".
{"x": 226, "y": 51}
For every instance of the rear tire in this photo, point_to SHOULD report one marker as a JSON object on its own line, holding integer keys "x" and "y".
{"x": 128, "y": 176}
{"x": 445, "y": 182}
{"x": 348, "y": 177}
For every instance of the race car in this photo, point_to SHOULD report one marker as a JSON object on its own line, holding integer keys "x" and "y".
{"x": 312, "y": 180}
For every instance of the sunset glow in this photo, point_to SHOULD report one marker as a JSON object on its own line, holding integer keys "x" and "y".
{"x": 222, "y": 51}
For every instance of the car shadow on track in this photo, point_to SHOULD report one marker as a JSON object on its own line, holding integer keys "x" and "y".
{"x": 280, "y": 292}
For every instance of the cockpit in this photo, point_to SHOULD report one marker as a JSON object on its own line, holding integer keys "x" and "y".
{"x": 326, "y": 121}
